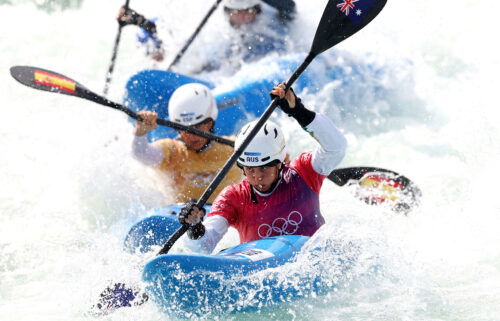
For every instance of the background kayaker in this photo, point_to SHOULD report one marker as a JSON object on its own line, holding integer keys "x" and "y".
{"x": 190, "y": 161}
{"x": 274, "y": 198}
{"x": 259, "y": 27}
{"x": 255, "y": 31}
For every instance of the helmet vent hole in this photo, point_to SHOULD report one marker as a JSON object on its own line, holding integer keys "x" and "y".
{"x": 265, "y": 129}
{"x": 275, "y": 133}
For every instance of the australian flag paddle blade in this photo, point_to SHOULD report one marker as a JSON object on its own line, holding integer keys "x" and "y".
{"x": 343, "y": 18}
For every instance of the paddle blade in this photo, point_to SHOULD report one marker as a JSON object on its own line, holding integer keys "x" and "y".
{"x": 395, "y": 191}
{"x": 51, "y": 81}
{"x": 117, "y": 296}
{"x": 47, "y": 80}
{"x": 378, "y": 186}
{"x": 343, "y": 18}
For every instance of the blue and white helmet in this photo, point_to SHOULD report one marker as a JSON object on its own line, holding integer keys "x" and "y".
{"x": 192, "y": 104}
{"x": 268, "y": 145}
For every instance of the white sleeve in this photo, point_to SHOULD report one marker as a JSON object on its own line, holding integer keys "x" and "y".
{"x": 332, "y": 144}
{"x": 215, "y": 228}
{"x": 146, "y": 153}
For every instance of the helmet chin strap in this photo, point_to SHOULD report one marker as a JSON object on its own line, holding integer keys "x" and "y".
{"x": 204, "y": 147}
{"x": 209, "y": 141}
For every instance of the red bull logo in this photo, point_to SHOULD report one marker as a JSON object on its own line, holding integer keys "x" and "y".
{"x": 381, "y": 188}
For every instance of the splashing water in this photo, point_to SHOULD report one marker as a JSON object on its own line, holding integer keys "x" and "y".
{"x": 419, "y": 98}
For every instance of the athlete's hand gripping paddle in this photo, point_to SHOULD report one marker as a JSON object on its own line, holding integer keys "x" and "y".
{"x": 336, "y": 25}
{"x": 54, "y": 82}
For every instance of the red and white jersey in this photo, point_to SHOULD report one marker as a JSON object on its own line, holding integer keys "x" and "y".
{"x": 291, "y": 208}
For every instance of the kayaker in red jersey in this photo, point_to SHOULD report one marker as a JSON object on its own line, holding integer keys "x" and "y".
{"x": 275, "y": 198}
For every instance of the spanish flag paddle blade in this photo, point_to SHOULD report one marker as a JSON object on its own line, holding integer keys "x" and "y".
{"x": 42, "y": 79}
{"x": 54, "y": 82}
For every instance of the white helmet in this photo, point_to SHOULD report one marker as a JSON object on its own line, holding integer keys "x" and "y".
{"x": 240, "y": 4}
{"x": 191, "y": 104}
{"x": 268, "y": 145}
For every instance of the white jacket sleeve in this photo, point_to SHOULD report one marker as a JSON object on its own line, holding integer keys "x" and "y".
{"x": 215, "y": 228}
{"x": 332, "y": 144}
{"x": 146, "y": 153}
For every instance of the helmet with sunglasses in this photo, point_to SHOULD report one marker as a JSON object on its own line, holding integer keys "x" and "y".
{"x": 267, "y": 146}
{"x": 192, "y": 104}
{"x": 240, "y": 4}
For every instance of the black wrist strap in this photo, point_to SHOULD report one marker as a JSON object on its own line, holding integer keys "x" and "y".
{"x": 135, "y": 18}
{"x": 196, "y": 231}
{"x": 303, "y": 115}
{"x": 149, "y": 26}
{"x": 141, "y": 21}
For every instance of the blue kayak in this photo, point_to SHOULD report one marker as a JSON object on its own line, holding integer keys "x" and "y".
{"x": 195, "y": 285}
{"x": 245, "y": 277}
{"x": 154, "y": 230}
{"x": 241, "y": 98}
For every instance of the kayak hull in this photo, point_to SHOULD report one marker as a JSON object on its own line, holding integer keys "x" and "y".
{"x": 229, "y": 281}
{"x": 245, "y": 277}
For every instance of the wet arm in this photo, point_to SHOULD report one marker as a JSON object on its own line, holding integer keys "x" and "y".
{"x": 146, "y": 153}
{"x": 332, "y": 144}
{"x": 215, "y": 228}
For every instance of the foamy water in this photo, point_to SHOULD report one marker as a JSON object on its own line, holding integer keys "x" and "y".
{"x": 422, "y": 102}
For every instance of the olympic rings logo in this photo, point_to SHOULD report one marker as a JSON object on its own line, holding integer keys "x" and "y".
{"x": 282, "y": 226}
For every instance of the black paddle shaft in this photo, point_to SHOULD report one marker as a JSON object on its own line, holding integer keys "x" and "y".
{"x": 113, "y": 56}
{"x": 335, "y": 26}
{"x": 193, "y": 36}
{"x": 51, "y": 81}
{"x": 342, "y": 176}
{"x": 234, "y": 157}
